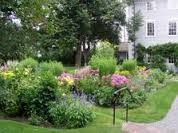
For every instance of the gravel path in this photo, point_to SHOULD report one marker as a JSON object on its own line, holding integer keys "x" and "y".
{"x": 167, "y": 125}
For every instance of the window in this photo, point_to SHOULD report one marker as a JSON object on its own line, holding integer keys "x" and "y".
{"x": 150, "y": 29}
{"x": 172, "y": 59}
{"x": 172, "y": 28}
{"x": 151, "y": 5}
{"x": 172, "y": 4}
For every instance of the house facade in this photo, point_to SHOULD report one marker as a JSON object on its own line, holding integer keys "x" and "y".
{"x": 160, "y": 21}
{"x": 160, "y": 24}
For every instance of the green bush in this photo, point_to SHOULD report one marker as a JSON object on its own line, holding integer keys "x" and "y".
{"x": 104, "y": 96}
{"x": 36, "y": 120}
{"x": 129, "y": 65}
{"x": 8, "y": 97}
{"x": 105, "y": 65}
{"x": 89, "y": 84}
{"x": 2, "y": 92}
{"x": 27, "y": 93}
{"x": 55, "y": 68}
{"x": 71, "y": 115}
{"x": 37, "y": 92}
{"x": 103, "y": 59}
{"x": 45, "y": 93}
{"x": 104, "y": 50}
{"x": 11, "y": 105}
{"x": 158, "y": 61}
{"x": 28, "y": 63}
{"x": 139, "y": 98}
{"x": 158, "y": 75}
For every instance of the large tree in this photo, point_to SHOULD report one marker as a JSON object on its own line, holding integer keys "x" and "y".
{"x": 81, "y": 22}
{"x": 19, "y": 20}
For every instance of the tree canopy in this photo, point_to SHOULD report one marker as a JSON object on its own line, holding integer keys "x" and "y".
{"x": 58, "y": 28}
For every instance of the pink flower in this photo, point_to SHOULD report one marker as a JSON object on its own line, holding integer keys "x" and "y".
{"x": 64, "y": 76}
{"x": 84, "y": 72}
{"x": 118, "y": 80}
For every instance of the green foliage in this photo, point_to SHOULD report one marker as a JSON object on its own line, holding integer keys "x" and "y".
{"x": 105, "y": 49}
{"x": 53, "y": 67}
{"x": 163, "y": 51}
{"x": 8, "y": 97}
{"x": 104, "y": 96}
{"x": 89, "y": 84}
{"x": 105, "y": 65}
{"x": 71, "y": 115}
{"x": 139, "y": 96}
{"x": 36, "y": 120}
{"x": 36, "y": 93}
{"x": 141, "y": 51}
{"x": 45, "y": 94}
{"x": 158, "y": 61}
{"x": 158, "y": 75}
{"x": 28, "y": 63}
{"x": 11, "y": 106}
{"x": 133, "y": 26}
{"x": 103, "y": 60}
{"x": 129, "y": 65}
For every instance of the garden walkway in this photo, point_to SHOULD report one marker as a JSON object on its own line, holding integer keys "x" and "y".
{"x": 168, "y": 125}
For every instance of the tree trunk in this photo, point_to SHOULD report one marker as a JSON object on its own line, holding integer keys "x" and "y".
{"x": 78, "y": 56}
{"x": 86, "y": 52}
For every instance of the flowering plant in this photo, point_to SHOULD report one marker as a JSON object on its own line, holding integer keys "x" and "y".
{"x": 118, "y": 80}
{"x": 85, "y": 72}
{"x": 123, "y": 73}
{"x": 66, "y": 78}
{"x": 8, "y": 74}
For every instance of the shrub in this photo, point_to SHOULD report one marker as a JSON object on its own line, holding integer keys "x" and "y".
{"x": 105, "y": 50}
{"x": 11, "y": 105}
{"x": 55, "y": 68}
{"x": 129, "y": 65}
{"x": 36, "y": 120}
{"x": 27, "y": 93}
{"x": 139, "y": 98}
{"x": 158, "y": 61}
{"x": 89, "y": 84}
{"x": 158, "y": 75}
{"x": 36, "y": 93}
{"x": 28, "y": 63}
{"x": 104, "y": 95}
{"x": 104, "y": 65}
{"x": 103, "y": 60}
{"x": 140, "y": 50}
{"x": 8, "y": 97}
{"x": 71, "y": 114}
{"x": 45, "y": 94}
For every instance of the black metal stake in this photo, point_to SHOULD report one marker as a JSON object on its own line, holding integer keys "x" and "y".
{"x": 114, "y": 112}
{"x": 127, "y": 112}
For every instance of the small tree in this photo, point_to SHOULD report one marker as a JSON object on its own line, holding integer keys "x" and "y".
{"x": 133, "y": 26}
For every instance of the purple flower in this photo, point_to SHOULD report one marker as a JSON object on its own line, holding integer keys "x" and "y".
{"x": 118, "y": 80}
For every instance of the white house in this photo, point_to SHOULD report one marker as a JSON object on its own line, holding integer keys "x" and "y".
{"x": 160, "y": 23}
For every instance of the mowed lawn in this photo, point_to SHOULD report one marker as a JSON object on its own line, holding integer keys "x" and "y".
{"x": 154, "y": 109}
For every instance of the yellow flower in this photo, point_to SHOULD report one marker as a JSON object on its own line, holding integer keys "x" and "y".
{"x": 8, "y": 74}
{"x": 123, "y": 73}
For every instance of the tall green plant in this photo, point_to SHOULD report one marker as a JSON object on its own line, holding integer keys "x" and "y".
{"x": 104, "y": 59}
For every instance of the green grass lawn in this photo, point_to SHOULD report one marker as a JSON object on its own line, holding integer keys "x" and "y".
{"x": 154, "y": 109}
